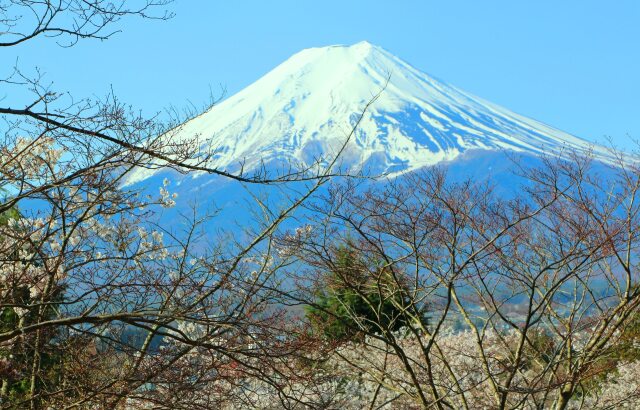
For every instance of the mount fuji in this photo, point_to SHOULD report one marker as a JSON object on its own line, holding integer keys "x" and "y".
{"x": 304, "y": 109}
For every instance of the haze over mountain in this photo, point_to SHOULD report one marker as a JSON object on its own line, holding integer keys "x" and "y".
{"x": 304, "y": 108}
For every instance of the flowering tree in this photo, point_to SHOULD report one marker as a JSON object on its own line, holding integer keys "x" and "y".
{"x": 541, "y": 285}
{"x": 101, "y": 304}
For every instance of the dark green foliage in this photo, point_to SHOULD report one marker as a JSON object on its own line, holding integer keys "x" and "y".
{"x": 18, "y": 357}
{"x": 21, "y": 355}
{"x": 628, "y": 346}
{"x": 356, "y": 296}
{"x": 541, "y": 348}
{"x": 625, "y": 349}
{"x": 10, "y": 214}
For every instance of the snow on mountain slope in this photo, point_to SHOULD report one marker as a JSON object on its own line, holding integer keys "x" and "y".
{"x": 304, "y": 109}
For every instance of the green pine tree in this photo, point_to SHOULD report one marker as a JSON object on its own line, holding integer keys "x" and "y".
{"x": 357, "y": 296}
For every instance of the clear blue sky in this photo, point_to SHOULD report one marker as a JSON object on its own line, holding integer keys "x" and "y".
{"x": 572, "y": 64}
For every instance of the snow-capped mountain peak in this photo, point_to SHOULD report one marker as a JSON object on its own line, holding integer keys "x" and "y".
{"x": 305, "y": 107}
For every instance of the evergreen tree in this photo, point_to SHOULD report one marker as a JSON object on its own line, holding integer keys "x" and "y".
{"x": 34, "y": 351}
{"x": 357, "y": 296}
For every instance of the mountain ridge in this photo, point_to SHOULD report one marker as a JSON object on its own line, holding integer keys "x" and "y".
{"x": 305, "y": 107}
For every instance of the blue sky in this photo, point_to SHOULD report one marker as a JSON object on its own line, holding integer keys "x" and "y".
{"x": 572, "y": 64}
